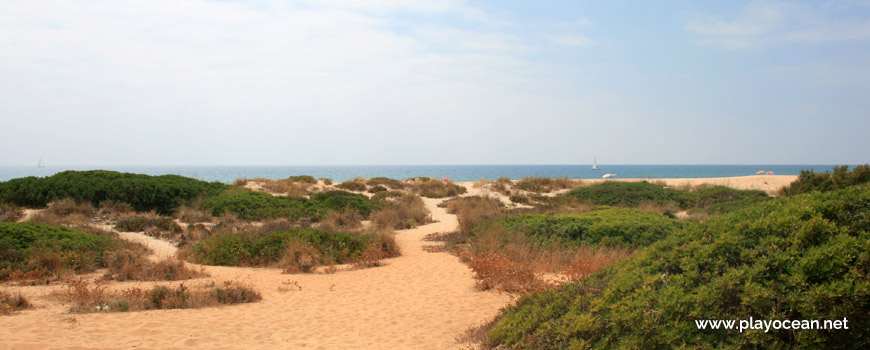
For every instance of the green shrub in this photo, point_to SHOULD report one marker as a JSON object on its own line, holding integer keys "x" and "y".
{"x": 352, "y": 186}
{"x": 386, "y": 182}
{"x": 517, "y": 198}
{"x": 303, "y": 178}
{"x": 827, "y": 181}
{"x": 618, "y": 227}
{"x": 252, "y": 205}
{"x": 376, "y": 189}
{"x": 27, "y": 246}
{"x": 719, "y": 199}
{"x": 253, "y": 249}
{"x": 630, "y": 194}
{"x": 805, "y": 257}
{"x": 162, "y": 193}
{"x": 432, "y": 188}
{"x": 141, "y": 223}
{"x": 341, "y": 200}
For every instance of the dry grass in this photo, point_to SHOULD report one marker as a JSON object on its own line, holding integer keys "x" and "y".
{"x": 112, "y": 210}
{"x": 299, "y": 257}
{"x": 64, "y": 212}
{"x": 193, "y": 213}
{"x": 341, "y": 221}
{"x": 386, "y": 182}
{"x": 497, "y": 271}
{"x": 404, "y": 211}
{"x": 290, "y": 186}
{"x": 472, "y": 211}
{"x": 124, "y": 265}
{"x": 590, "y": 260}
{"x": 545, "y": 184}
{"x": 353, "y": 185}
{"x": 10, "y": 213}
{"x": 432, "y": 188}
{"x": 86, "y": 298}
{"x": 241, "y": 182}
{"x": 11, "y": 302}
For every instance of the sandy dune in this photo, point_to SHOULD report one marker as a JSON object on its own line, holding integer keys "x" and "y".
{"x": 420, "y": 300}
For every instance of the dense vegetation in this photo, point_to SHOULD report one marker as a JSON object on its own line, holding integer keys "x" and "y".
{"x": 257, "y": 249}
{"x": 805, "y": 257}
{"x": 27, "y": 247}
{"x": 162, "y": 193}
{"x": 610, "y": 227}
{"x": 257, "y": 206}
{"x": 630, "y": 194}
{"x": 714, "y": 200}
{"x": 720, "y": 199}
{"x": 840, "y": 178}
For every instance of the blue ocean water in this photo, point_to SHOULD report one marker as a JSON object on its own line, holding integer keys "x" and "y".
{"x": 228, "y": 174}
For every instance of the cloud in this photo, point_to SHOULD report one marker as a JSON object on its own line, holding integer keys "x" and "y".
{"x": 199, "y": 81}
{"x": 762, "y": 23}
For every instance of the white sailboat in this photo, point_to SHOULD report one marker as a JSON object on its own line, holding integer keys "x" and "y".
{"x": 595, "y": 164}
{"x": 41, "y": 164}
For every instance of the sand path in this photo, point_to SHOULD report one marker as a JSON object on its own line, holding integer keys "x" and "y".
{"x": 420, "y": 300}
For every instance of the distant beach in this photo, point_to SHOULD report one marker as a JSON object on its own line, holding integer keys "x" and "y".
{"x": 228, "y": 174}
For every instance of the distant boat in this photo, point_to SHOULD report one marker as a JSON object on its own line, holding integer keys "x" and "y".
{"x": 608, "y": 176}
{"x": 595, "y": 164}
{"x": 41, "y": 164}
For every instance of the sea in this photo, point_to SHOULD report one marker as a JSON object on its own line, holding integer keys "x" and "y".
{"x": 228, "y": 174}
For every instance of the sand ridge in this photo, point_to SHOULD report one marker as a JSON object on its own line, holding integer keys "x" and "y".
{"x": 420, "y": 300}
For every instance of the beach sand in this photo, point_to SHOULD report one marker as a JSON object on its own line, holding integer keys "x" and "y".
{"x": 420, "y": 300}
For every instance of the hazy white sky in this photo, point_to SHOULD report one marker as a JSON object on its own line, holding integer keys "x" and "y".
{"x": 193, "y": 82}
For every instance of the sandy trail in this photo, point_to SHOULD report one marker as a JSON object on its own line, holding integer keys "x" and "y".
{"x": 420, "y": 300}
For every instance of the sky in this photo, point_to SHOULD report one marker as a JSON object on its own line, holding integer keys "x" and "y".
{"x": 334, "y": 82}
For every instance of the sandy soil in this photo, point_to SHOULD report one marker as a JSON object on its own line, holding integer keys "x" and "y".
{"x": 420, "y": 300}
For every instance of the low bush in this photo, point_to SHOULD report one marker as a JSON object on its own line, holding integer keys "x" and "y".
{"x": 125, "y": 264}
{"x": 474, "y": 210}
{"x": 613, "y": 227}
{"x": 544, "y": 184}
{"x": 90, "y": 299}
{"x": 341, "y": 200}
{"x": 520, "y": 199}
{"x": 263, "y": 249}
{"x": 162, "y": 193}
{"x": 9, "y": 213}
{"x": 308, "y": 179}
{"x": 630, "y": 194}
{"x": 720, "y": 200}
{"x": 288, "y": 186}
{"x": 142, "y": 223}
{"x": 50, "y": 250}
{"x": 352, "y": 186}
{"x": 841, "y": 177}
{"x": 252, "y": 205}
{"x": 401, "y": 212}
{"x": 805, "y": 257}
{"x": 11, "y": 302}
{"x": 386, "y": 182}
{"x": 432, "y": 188}
{"x": 376, "y": 189}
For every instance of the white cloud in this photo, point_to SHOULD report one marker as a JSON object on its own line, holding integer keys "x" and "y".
{"x": 196, "y": 80}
